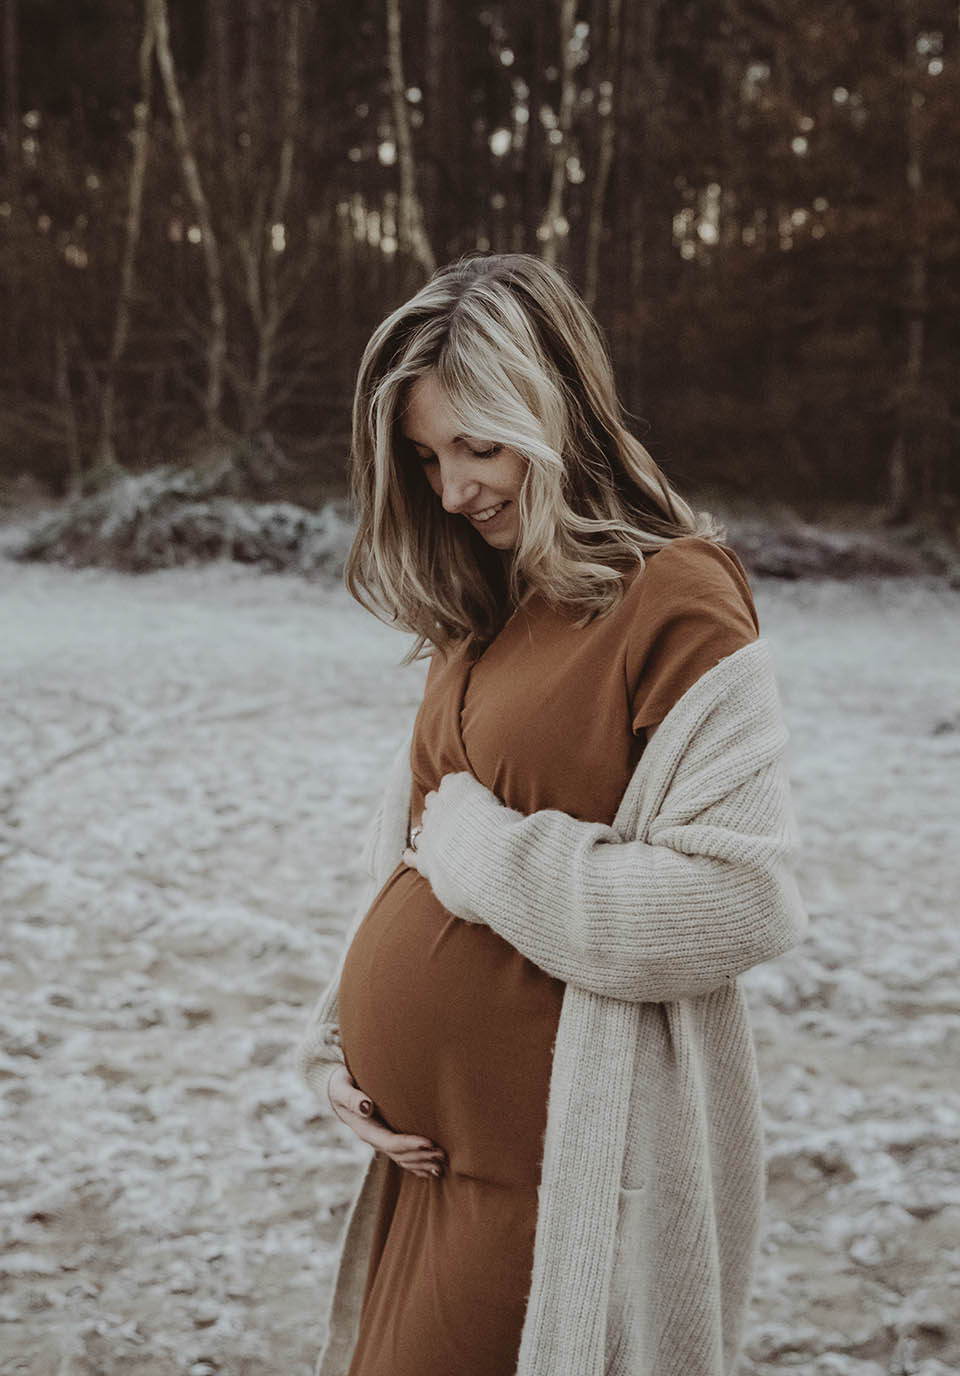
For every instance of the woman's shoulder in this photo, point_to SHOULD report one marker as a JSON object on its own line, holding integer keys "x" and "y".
{"x": 688, "y": 607}
{"x": 690, "y": 564}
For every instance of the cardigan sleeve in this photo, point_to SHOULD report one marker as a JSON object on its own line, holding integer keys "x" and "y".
{"x": 675, "y": 917}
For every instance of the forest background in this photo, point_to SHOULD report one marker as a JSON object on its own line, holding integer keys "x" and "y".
{"x": 205, "y": 208}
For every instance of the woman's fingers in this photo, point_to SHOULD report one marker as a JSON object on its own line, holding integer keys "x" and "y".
{"x": 425, "y": 1163}
{"x": 399, "y": 1145}
{"x": 346, "y": 1094}
{"x": 415, "y": 1148}
{"x": 416, "y": 1154}
{"x": 358, "y": 1111}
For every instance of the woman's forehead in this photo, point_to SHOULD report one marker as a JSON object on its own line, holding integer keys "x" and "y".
{"x": 429, "y": 415}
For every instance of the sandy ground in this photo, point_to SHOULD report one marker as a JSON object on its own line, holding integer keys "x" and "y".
{"x": 187, "y": 761}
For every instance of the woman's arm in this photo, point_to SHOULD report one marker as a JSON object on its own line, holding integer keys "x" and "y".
{"x": 630, "y": 920}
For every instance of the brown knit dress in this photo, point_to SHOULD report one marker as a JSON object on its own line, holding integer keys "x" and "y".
{"x": 444, "y": 1025}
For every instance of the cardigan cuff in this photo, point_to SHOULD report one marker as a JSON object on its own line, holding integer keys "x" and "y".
{"x": 461, "y": 827}
{"x": 316, "y": 1071}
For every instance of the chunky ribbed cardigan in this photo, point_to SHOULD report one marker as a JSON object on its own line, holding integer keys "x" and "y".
{"x": 652, "y": 1179}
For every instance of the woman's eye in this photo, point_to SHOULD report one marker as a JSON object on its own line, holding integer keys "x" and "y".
{"x": 427, "y": 458}
{"x": 488, "y": 453}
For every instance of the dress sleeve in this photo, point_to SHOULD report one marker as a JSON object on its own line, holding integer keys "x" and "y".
{"x": 693, "y": 608}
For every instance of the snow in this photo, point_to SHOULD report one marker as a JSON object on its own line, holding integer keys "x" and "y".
{"x": 168, "y": 517}
{"x": 188, "y": 759}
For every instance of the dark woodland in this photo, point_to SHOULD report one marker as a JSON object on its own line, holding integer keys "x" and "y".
{"x": 205, "y": 207}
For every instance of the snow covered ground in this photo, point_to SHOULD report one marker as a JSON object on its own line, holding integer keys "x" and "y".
{"x": 187, "y": 759}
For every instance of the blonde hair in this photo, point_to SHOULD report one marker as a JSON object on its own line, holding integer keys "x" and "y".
{"x": 522, "y": 362}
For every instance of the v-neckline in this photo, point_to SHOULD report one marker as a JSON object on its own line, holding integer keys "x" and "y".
{"x": 467, "y": 667}
{"x": 507, "y": 625}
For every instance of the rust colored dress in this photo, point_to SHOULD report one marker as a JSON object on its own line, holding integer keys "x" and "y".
{"x": 448, "y": 1028}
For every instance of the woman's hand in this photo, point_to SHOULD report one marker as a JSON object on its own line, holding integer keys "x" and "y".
{"x": 433, "y": 808}
{"x": 410, "y": 854}
{"x": 410, "y": 860}
{"x": 416, "y": 1154}
{"x": 440, "y": 827}
{"x": 441, "y": 830}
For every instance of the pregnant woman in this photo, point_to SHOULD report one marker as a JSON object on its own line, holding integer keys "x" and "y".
{"x": 537, "y": 1022}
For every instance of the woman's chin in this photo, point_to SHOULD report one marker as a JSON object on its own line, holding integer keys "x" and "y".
{"x": 500, "y": 532}
{"x": 504, "y": 540}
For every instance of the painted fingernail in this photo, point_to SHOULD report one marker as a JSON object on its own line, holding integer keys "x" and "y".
{"x": 365, "y": 1106}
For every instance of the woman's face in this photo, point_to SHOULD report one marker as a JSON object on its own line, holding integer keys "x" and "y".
{"x": 473, "y": 477}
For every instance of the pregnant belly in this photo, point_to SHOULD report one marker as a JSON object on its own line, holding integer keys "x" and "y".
{"x": 450, "y": 1031}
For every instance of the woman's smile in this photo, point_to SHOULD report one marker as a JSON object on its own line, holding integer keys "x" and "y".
{"x": 489, "y": 514}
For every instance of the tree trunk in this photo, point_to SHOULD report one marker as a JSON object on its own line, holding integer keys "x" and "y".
{"x": 533, "y": 152}
{"x": 68, "y": 412}
{"x": 639, "y": 113}
{"x": 907, "y": 478}
{"x": 438, "y": 203}
{"x": 219, "y": 69}
{"x": 264, "y": 297}
{"x": 550, "y": 232}
{"x": 216, "y": 350}
{"x": 11, "y": 124}
{"x": 251, "y": 84}
{"x": 605, "y": 91}
{"x": 411, "y": 228}
{"x": 11, "y": 99}
{"x": 106, "y": 457}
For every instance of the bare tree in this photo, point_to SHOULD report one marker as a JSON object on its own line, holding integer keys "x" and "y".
{"x": 216, "y": 346}
{"x": 11, "y": 97}
{"x": 548, "y": 232}
{"x": 531, "y": 189}
{"x": 251, "y": 80}
{"x": 438, "y": 75}
{"x": 220, "y": 123}
{"x": 262, "y": 247}
{"x": 411, "y": 227}
{"x": 642, "y": 203}
{"x": 11, "y": 123}
{"x": 903, "y": 479}
{"x": 68, "y": 413}
{"x": 106, "y": 457}
{"x": 606, "y": 87}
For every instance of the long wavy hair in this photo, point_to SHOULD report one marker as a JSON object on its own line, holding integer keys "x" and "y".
{"x": 522, "y": 363}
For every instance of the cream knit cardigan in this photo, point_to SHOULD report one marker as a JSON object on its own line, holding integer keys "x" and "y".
{"x": 652, "y": 1178}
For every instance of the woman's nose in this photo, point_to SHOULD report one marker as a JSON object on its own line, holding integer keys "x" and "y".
{"x": 458, "y": 491}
